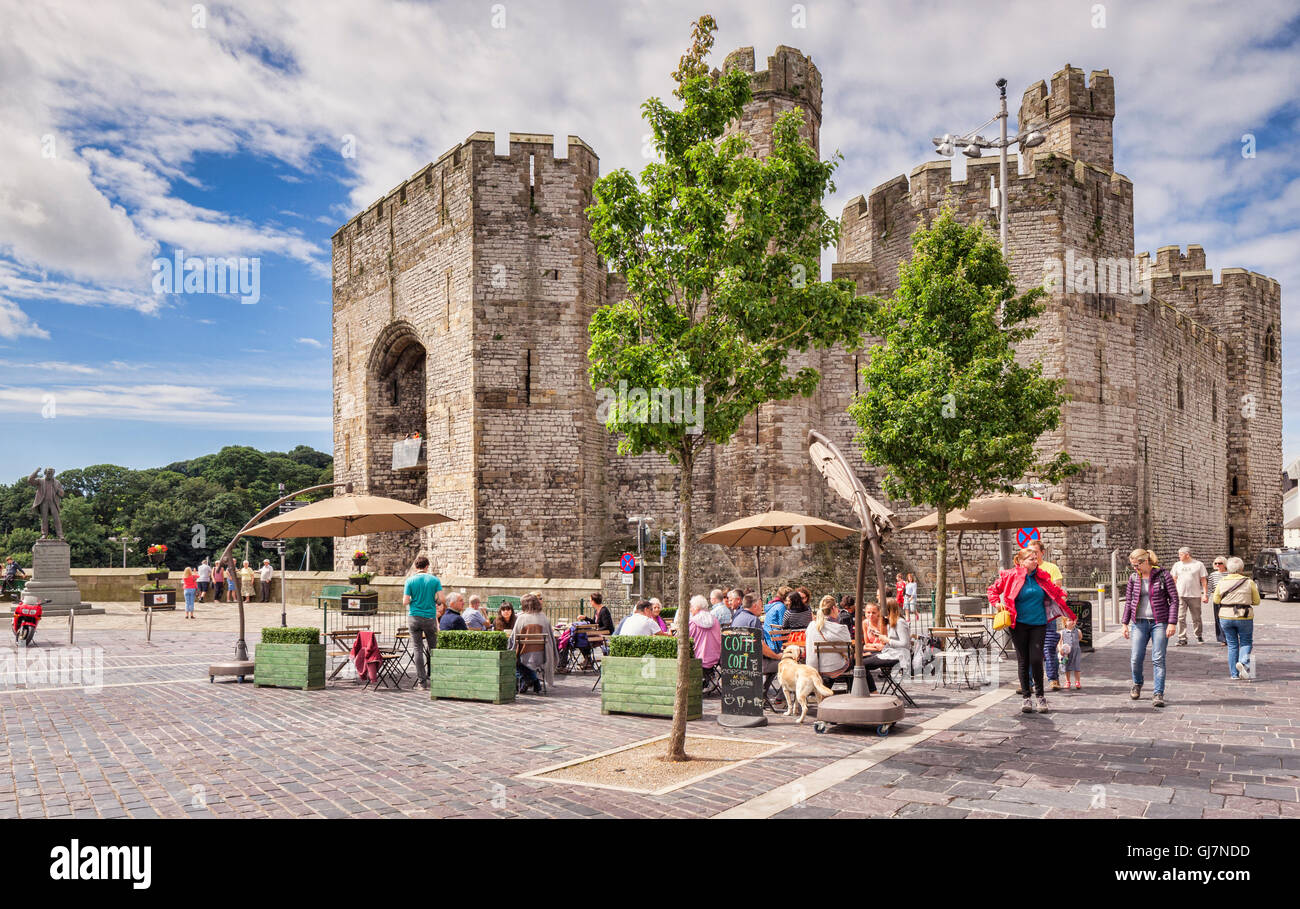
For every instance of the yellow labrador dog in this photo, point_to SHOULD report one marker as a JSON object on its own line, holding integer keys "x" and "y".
{"x": 798, "y": 681}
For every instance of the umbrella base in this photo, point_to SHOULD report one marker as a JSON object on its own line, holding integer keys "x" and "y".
{"x": 237, "y": 668}
{"x": 876, "y": 710}
{"x": 733, "y": 721}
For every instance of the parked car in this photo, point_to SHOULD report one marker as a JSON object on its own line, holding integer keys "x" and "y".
{"x": 1277, "y": 572}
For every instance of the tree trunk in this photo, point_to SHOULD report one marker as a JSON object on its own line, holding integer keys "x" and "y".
{"x": 941, "y": 570}
{"x": 677, "y": 737}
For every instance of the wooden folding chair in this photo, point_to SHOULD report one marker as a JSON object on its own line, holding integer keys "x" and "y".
{"x": 533, "y": 642}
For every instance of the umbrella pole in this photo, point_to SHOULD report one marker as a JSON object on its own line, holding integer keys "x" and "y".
{"x": 961, "y": 564}
{"x": 758, "y": 568}
{"x": 859, "y": 688}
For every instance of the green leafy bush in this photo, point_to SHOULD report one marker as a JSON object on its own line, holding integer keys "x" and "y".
{"x": 633, "y": 645}
{"x": 290, "y": 635}
{"x": 667, "y": 612}
{"x": 472, "y": 640}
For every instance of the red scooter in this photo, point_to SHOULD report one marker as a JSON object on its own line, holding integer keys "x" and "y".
{"x": 27, "y": 615}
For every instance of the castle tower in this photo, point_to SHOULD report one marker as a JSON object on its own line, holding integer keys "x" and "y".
{"x": 461, "y": 301}
{"x": 766, "y": 464}
{"x": 1077, "y": 115}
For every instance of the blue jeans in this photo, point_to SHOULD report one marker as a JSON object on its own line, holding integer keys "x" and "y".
{"x": 1052, "y": 638}
{"x": 189, "y": 599}
{"x": 1144, "y": 630}
{"x": 1241, "y": 636}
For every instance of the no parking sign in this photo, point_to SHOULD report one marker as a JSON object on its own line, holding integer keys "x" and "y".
{"x": 1025, "y": 535}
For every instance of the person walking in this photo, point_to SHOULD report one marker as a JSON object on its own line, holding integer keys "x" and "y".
{"x": 1034, "y": 601}
{"x": 1051, "y": 666}
{"x": 909, "y": 598}
{"x": 1192, "y": 582}
{"x": 205, "y": 579}
{"x": 218, "y": 582}
{"x": 264, "y": 578}
{"x": 1236, "y": 598}
{"x": 1150, "y": 611}
{"x": 246, "y": 576}
{"x": 1212, "y": 584}
{"x": 190, "y": 581}
{"x": 420, "y": 597}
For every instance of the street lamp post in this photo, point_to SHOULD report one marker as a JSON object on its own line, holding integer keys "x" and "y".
{"x": 973, "y": 148}
{"x": 125, "y": 541}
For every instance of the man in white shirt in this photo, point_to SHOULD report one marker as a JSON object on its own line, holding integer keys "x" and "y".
{"x": 1192, "y": 582}
{"x": 640, "y": 622}
{"x": 264, "y": 577}
{"x": 473, "y": 615}
{"x": 205, "y": 579}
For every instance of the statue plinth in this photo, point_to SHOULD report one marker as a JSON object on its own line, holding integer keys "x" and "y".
{"x": 52, "y": 574}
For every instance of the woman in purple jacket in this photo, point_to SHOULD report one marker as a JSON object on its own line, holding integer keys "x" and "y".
{"x": 1150, "y": 614}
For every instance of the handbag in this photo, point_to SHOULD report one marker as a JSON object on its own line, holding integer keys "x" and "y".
{"x": 1002, "y": 620}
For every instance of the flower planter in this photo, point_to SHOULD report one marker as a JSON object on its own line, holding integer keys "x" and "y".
{"x": 648, "y": 686}
{"x": 289, "y": 666}
{"x": 472, "y": 675}
{"x": 354, "y": 603}
{"x": 157, "y": 575}
{"x": 358, "y": 580}
{"x": 158, "y": 600}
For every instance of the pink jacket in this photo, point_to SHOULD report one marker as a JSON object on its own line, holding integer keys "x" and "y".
{"x": 1009, "y": 583}
{"x": 365, "y": 655}
{"x": 707, "y": 635}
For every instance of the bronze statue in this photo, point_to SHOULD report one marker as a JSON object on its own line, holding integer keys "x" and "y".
{"x": 48, "y": 493}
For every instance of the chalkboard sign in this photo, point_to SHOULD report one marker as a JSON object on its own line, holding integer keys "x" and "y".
{"x": 741, "y": 671}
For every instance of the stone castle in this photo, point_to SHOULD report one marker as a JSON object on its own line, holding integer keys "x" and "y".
{"x": 462, "y": 298}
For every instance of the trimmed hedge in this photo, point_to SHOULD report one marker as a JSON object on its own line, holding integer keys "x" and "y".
{"x": 290, "y": 635}
{"x": 634, "y": 645}
{"x": 472, "y": 640}
{"x": 667, "y": 612}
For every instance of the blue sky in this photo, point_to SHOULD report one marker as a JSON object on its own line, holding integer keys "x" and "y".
{"x": 131, "y": 130}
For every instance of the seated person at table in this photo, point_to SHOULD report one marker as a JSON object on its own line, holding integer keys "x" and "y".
{"x": 451, "y": 619}
{"x": 748, "y": 615}
{"x": 706, "y": 631}
{"x": 640, "y": 622}
{"x": 824, "y": 629}
{"x": 505, "y": 620}
{"x": 656, "y": 607}
{"x": 797, "y": 614}
{"x": 532, "y": 657}
{"x": 604, "y": 620}
{"x": 898, "y": 636}
{"x": 473, "y": 615}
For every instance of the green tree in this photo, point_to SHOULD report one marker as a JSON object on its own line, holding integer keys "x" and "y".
{"x": 946, "y": 409}
{"x": 721, "y": 253}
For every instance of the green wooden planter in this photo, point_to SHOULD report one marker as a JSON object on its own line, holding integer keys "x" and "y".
{"x": 472, "y": 675}
{"x": 648, "y": 686}
{"x": 289, "y": 666}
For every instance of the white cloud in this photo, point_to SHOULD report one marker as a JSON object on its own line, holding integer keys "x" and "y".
{"x": 14, "y": 323}
{"x": 310, "y": 342}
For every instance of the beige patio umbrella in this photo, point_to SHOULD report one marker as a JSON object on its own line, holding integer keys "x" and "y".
{"x": 1003, "y": 511}
{"x": 775, "y": 528}
{"x": 348, "y": 515}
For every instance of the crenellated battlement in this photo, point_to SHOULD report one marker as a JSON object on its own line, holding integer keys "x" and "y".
{"x": 1075, "y": 116}
{"x": 790, "y": 73}
{"x": 1173, "y": 268}
{"x": 430, "y": 179}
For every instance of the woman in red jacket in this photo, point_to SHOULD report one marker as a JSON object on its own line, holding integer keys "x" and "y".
{"x": 1034, "y": 601}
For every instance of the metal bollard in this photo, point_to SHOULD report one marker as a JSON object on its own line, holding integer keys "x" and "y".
{"x": 1101, "y": 608}
{"x": 72, "y": 620}
{"x": 148, "y": 624}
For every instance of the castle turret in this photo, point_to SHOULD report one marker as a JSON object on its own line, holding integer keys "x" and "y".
{"x": 1076, "y": 116}
{"x": 791, "y": 80}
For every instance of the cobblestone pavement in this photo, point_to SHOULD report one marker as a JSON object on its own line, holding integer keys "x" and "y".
{"x": 157, "y": 739}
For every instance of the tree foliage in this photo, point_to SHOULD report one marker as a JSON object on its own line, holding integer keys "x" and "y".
{"x": 721, "y": 254}
{"x": 946, "y": 408}
{"x": 194, "y": 507}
